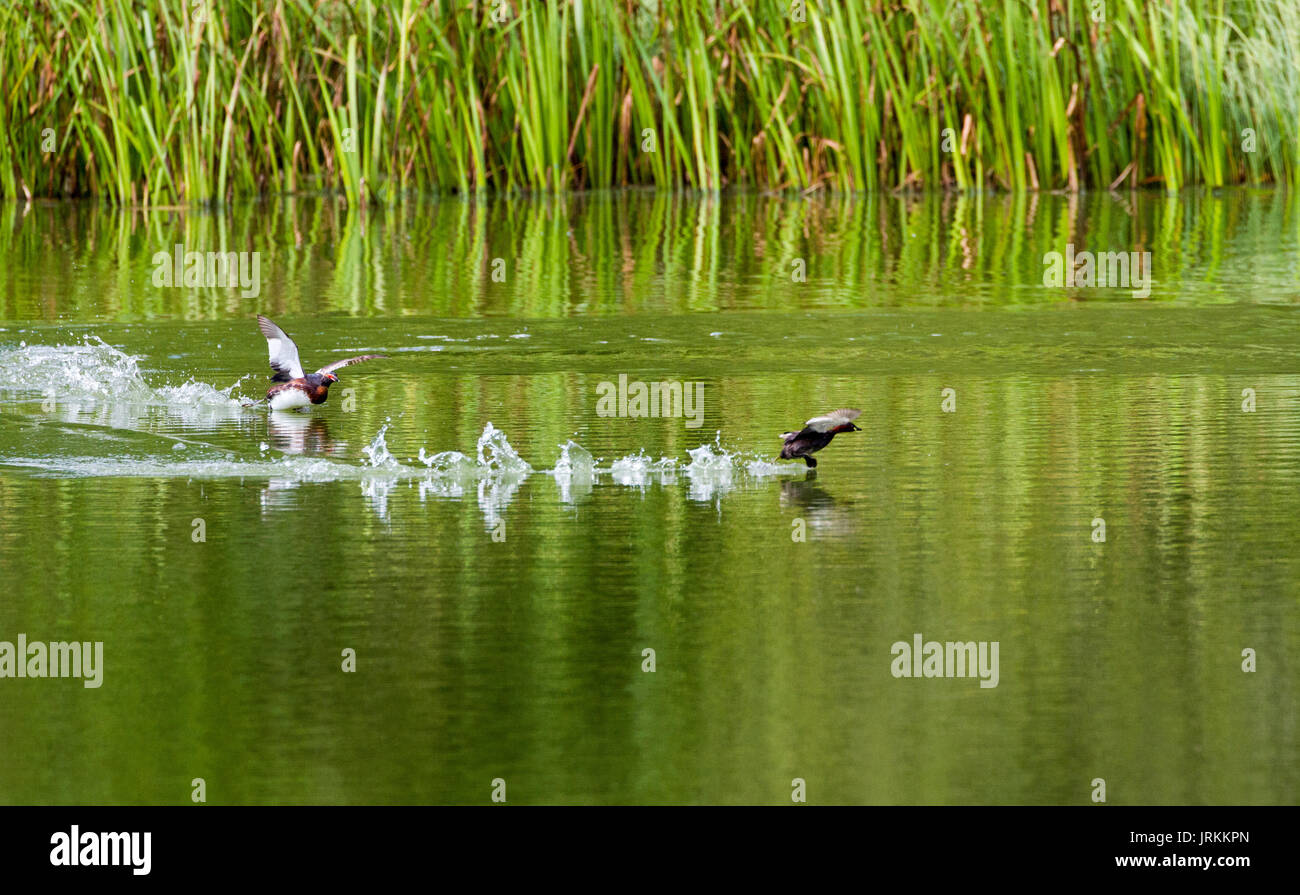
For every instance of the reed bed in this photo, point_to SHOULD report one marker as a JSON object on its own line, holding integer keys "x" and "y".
{"x": 173, "y": 102}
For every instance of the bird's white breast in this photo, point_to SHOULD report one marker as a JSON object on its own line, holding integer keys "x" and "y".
{"x": 289, "y": 399}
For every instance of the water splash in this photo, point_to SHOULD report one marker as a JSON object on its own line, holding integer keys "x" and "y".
{"x": 96, "y": 384}
{"x": 97, "y": 371}
{"x": 502, "y": 471}
{"x": 288, "y": 469}
{"x": 377, "y": 487}
{"x": 632, "y": 470}
{"x": 707, "y": 461}
{"x": 497, "y": 456}
{"x": 761, "y": 468}
{"x": 638, "y": 470}
{"x": 449, "y": 464}
{"x": 377, "y": 453}
{"x": 575, "y": 462}
{"x": 710, "y": 472}
{"x": 574, "y": 471}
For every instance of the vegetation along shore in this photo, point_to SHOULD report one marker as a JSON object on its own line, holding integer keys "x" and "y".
{"x": 188, "y": 101}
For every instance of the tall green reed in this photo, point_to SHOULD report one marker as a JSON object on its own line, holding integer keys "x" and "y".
{"x": 189, "y": 101}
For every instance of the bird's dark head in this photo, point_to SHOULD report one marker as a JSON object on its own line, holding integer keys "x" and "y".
{"x": 331, "y": 378}
{"x": 853, "y": 428}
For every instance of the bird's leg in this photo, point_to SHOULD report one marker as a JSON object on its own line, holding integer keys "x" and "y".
{"x": 810, "y": 461}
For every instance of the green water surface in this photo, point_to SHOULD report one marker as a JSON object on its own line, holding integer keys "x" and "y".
{"x": 499, "y": 616}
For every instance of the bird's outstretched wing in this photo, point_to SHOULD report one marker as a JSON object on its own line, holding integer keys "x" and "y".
{"x": 284, "y": 353}
{"x": 330, "y": 368}
{"x": 832, "y": 420}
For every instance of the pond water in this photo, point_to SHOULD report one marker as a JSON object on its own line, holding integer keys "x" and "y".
{"x": 500, "y": 551}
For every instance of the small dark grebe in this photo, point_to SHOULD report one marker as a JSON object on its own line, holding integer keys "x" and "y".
{"x": 816, "y": 434}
